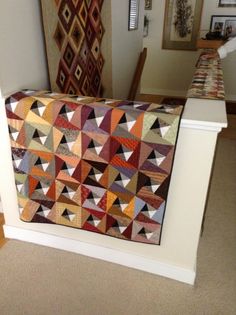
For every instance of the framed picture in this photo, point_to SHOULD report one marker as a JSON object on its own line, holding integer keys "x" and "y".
{"x": 148, "y": 4}
{"x": 227, "y": 3}
{"x": 225, "y": 24}
{"x": 230, "y": 28}
{"x": 133, "y": 14}
{"x": 181, "y": 24}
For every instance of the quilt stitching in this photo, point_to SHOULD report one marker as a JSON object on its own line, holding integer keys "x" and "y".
{"x": 90, "y": 163}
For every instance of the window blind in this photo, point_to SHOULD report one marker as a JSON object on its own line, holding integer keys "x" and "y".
{"x": 133, "y": 14}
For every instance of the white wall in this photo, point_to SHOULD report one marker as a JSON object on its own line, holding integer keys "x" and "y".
{"x": 126, "y": 47}
{"x": 106, "y": 48}
{"x": 169, "y": 72}
{"x": 21, "y": 32}
{"x": 166, "y": 72}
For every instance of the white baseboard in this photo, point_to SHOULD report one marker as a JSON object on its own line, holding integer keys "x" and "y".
{"x": 230, "y": 97}
{"x": 177, "y": 93}
{"x": 100, "y": 252}
{"x": 164, "y": 92}
{"x": 1, "y": 209}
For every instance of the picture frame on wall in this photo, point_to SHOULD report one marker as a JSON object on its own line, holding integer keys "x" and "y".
{"x": 227, "y": 3}
{"x": 181, "y": 24}
{"x": 225, "y": 24}
{"x": 148, "y": 5}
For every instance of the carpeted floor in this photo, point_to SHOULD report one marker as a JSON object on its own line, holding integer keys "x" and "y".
{"x": 38, "y": 280}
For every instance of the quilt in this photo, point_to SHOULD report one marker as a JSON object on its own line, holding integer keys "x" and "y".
{"x": 90, "y": 163}
{"x": 208, "y": 81}
{"x": 73, "y": 34}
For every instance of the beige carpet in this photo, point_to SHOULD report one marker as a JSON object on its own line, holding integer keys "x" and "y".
{"x": 39, "y": 280}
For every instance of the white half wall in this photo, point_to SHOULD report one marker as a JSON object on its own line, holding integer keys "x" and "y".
{"x": 21, "y": 32}
{"x": 169, "y": 72}
{"x": 176, "y": 256}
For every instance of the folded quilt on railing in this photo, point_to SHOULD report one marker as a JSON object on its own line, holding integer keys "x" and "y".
{"x": 95, "y": 164}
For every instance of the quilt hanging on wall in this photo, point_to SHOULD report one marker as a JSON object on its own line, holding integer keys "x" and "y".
{"x": 73, "y": 33}
{"x": 95, "y": 164}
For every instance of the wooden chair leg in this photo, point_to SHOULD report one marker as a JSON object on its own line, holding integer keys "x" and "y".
{"x": 137, "y": 75}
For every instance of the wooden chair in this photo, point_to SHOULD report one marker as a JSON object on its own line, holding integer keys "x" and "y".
{"x": 137, "y": 75}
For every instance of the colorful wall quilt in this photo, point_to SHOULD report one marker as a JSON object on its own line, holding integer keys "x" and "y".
{"x": 208, "y": 80}
{"x": 90, "y": 163}
{"x": 73, "y": 32}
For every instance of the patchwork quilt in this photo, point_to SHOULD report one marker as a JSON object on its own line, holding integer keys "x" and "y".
{"x": 208, "y": 80}
{"x": 73, "y": 35}
{"x": 90, "y": 163}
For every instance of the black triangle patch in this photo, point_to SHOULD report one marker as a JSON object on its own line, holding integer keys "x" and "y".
{"x": 63, "y": 110}
{"x": 90, "y": 196}
{"x": 90, "y": 218}
{"x": 92, "y": 115}
{"x": 65, "y": 190}
{"x": 116, "y": 202}
{"x": 142, "y": 232}
{"x": 123, "y": 120}
{"x": 38, "y": 162}
{"x": 39, "y": 186}
{"x": 36, "y": 105}
{"x": 40, "y": 209}
{"x": 36, "y": 134}
{"x": 145, "y": 208}
{"x": 118, "y": 178}
{"x": 63, "y": 140}
{"x": 115, "y": 225}
{"x": 156, "y": 125}
{"x": 120, "y": 150}
{"x": 152, "y": 155}
{"x": 64, "y": 166}
{"x": 91, "y": 145}
{"x": 92, "y": 172}
{"x": 67, "y": 213}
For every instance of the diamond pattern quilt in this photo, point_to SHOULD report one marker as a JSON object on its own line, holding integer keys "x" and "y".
{"x": 73, "y": 33}
{"x": 95, "y": 164}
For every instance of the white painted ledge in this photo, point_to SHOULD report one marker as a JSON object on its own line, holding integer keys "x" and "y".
{"x": 204, "y": 114}
{"x": 101, "y": 252}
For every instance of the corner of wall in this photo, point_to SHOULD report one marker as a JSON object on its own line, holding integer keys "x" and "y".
{"x": 106, "y": 49}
